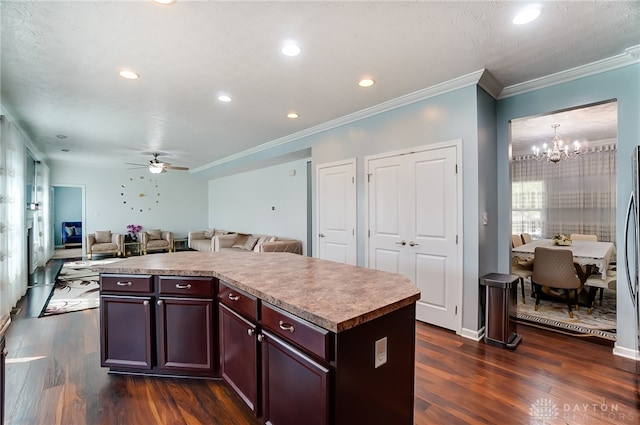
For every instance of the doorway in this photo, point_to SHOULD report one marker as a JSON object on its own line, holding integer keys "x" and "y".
{"x": 68, "y": 206}
{"x": 571, "y": 193}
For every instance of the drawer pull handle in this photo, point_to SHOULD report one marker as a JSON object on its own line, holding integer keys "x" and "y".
{"x": 183, "y": 286}
{"x": 233, "y": 297}
{"x": 286, "y": 326}
{"x": 250, "y": 332}
{"x": 123, "y": 283}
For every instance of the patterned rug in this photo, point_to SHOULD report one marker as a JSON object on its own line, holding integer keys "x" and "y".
{"x": 76, "y": 288}
{"x": 553, "y": 314}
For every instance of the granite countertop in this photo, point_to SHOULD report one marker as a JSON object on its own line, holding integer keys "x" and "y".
{"x": 331, "y": 295}
{"x": 5, "y": 320}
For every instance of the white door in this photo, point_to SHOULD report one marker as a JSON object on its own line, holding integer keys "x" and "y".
{"x": 337, "y": 212}
{"x": 413, "y": 220}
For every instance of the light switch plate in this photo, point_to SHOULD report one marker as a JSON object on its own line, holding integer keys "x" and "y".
{"x": 380, "y": 352}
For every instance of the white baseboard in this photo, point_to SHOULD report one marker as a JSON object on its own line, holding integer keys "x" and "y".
{"x": 471, "y": 334}
{"x": 628, "y": 353}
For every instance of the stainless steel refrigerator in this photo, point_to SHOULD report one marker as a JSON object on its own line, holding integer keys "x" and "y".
{"x": 632, "y": 246}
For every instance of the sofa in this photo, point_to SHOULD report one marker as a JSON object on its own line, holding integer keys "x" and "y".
{"x": 216, "y": 240}
{"x": 71, "y": 232}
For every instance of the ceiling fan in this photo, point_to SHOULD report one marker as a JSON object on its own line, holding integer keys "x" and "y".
{"x": 157, "y": 166}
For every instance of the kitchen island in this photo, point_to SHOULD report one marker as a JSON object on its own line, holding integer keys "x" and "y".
{"x": 301, "y": 340}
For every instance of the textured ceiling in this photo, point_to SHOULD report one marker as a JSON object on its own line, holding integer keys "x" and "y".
{"x": 60, "y": 63}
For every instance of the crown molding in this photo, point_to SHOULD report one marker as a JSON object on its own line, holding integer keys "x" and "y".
{"x": 630, "y": 56}
{"x": 429, "y": 92}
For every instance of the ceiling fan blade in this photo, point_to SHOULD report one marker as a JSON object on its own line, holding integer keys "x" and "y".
{"x": 175, "y": 167}
{"x": 131, "y": 163}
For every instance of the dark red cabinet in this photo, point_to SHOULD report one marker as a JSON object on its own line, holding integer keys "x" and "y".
{"x": 185, "y": 334}
{"x": 239, "y": 355}
{"x": 126, "y": 330}
{"x": 295, "y": 387}
{"x": 161, "y": 325}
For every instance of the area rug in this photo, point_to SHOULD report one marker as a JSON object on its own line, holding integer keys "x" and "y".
{"x": 61, "y": 254}
{"x": 554, "y": 315}
{"x": 77, "y": 288}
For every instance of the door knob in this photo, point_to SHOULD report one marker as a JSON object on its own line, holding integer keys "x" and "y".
{"x": 321, "y": 235}
{"x": 403, "y": 243}
{"x": 412, "y": 243}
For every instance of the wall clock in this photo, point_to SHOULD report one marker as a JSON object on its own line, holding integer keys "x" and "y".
{"x": 140, "y": 194}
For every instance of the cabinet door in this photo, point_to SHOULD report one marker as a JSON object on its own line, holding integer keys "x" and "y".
{"x": 186, "y": 334}
{"x": 125, "y": 330}
{"x": 239, "y": 355}
{"x": 295, "y": 387}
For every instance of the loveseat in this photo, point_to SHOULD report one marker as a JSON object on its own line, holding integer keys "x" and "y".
{"x": 215, "y": 240}
{"x": 71, "y": 233}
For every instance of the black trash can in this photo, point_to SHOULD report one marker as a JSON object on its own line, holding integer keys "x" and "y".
{"x": 500, "y": 309}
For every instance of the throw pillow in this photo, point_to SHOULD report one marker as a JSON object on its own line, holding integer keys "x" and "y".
{"x": 70, "y": 231}
{"x": 103, "y": 236}
{"x": 78, "y": 231}
{"x": 241, "y": 239}
{"x": 209, "y": 233}
{"x": 155, "y": 234}
{"x": 250, "y": 243}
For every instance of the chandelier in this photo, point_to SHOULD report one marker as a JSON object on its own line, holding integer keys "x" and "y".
{"x": 558, "y": 152}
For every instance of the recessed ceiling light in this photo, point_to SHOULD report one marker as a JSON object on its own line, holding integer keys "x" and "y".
{"x": 61, "y": 136}
{"x": 130, "y": 75}
{"x": 291, "y": 49}
{"x": 65, "y": 150}
{"x": 292, "y": 115}
{"x": 525, "y": 16}
{"x": 367, "y": 82}
{"x": 224, "y": 98}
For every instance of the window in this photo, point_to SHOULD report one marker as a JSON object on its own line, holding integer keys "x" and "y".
{"x": 526, "y": 208}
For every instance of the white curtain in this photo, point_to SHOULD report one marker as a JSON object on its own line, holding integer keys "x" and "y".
{"x": 13, "y": 253}
{"x": 42, "y": 236}
{"x": 572, "y": 196}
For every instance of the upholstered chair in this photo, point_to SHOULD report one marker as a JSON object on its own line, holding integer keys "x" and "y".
{"x": 580, "y": 237}
{"x": 104, "y": 242}
{"x": 156, "y": 240}
{"x": 555, "y": 269}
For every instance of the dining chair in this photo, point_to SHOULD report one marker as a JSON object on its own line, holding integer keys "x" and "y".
{"x": 580, "y": 237}
{"x": 516, "y": 240}
{"x": 526, "y": 238}
{"x": 555, "y": 269}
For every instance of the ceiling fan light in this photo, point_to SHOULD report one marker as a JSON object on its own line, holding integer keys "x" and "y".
{"x": 156, "y": 168}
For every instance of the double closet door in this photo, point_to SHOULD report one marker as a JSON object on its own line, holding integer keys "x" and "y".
{"x": 413, "y": 227}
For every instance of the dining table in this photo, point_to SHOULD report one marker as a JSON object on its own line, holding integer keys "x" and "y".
{"x": 585, "y": 253}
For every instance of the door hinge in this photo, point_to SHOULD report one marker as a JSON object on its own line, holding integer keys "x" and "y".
{"x": 456, "y": 310}
{"x": 368, "y": 178}
{"x": 353, "y": 180}
{"x": 369, "y": 233}
{"x": 456, "y": 168}
{"x": 456, "y": 239}
{"x": 353, "y": 232}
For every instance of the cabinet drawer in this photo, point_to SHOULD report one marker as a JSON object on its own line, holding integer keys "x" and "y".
{"x": 307, "y": 336}
{"x": 126, "y": 283}
{"x": 239, "y": 301}
{"x": 186, "y": 286}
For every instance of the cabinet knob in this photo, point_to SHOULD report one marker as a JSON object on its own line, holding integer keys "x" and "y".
{"x": 260, "y": 338}
{"x": 160, "y": 302}
{"x": 286, "y": 326}
{"x": 183, "y": 286}
{"x": 145, "y": 302}
{"x": 250, "y": 332}
{"x": 233, "y": 297}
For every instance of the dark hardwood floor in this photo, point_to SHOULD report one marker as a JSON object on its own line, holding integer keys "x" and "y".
{"x": 54, "y": 377}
